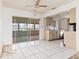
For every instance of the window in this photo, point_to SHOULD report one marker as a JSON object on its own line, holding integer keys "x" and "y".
{"x": 31, "y": 26}
{"x": 15, "y": 26}
{"x": 36, "y": 26}
{"x": 23, "y": 26}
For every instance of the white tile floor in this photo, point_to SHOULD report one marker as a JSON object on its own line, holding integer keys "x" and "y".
{"x": 40, "y": 50}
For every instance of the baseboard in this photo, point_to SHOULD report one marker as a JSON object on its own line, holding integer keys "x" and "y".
{"x": 54, "y": 39}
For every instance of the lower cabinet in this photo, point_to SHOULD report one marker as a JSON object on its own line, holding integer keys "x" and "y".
{"x": 51, "y": 35}
{"x": 70, "y": 39}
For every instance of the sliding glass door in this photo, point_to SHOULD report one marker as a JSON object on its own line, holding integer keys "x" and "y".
{"x": 35, "y": 30}
{"x": 25, "y": 29}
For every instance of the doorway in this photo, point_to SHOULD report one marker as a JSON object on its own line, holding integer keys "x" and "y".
{"x": 25, "y": 29}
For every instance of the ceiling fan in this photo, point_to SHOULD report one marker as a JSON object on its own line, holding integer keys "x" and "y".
{"x": 37, "y": 5}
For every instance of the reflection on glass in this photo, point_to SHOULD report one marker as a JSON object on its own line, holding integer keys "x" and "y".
{"x": 36, "y": 26}
{"x": 31, "y": 26}
{"x": 25, "y": 30}
{"x": 23, "y": 26}
{"x": 15, "y": 26}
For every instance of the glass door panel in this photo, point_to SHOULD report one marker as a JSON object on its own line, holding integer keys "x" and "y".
{"x": 20, "y": 30}
{"x": 25, "y": 29}
{"x": 35, "y": 30}
{"x": 29, "y": 33}
{"x": 23, "y": 32}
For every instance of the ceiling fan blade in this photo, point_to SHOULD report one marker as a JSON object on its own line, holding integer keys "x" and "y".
{"x": 42, "y": 5}
{"x": 37, "y": 2}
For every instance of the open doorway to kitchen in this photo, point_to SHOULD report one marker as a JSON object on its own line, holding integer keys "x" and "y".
{"x": 25, "y": 29}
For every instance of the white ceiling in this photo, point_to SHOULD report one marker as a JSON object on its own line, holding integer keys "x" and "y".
{"x": 21, "y": 4}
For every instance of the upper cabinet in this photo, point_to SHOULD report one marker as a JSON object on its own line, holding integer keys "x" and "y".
{"x": 48, "y": 21}
{"x": 72, "y": 15}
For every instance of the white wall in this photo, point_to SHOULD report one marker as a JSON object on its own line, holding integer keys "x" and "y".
{"x": 7, "y": 22}
{"x": 0, "y": 27}
{"x": 41, "y": 31}
{"x": 77, "y": 21}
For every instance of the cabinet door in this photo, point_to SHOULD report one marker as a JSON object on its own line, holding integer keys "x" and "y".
{"x": 54, "y": 35}
{"x": 51, "y": 36}
{"x": 70, "y": 39}
{"x": 72, "y": 15}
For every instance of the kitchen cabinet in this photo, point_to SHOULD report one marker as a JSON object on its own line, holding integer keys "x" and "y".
{"x": 70, "y": 39}
{"x": 72, "y": 15}
{"x": 51, "y": 35}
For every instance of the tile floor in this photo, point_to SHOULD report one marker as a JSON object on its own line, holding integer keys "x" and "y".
{"x": 40, "y": 50}
{"x": 75, "y": 56}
